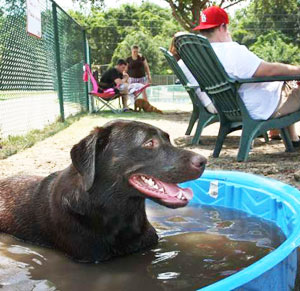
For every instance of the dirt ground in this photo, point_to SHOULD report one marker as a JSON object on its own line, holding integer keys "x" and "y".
{"x": 52, "y": 154}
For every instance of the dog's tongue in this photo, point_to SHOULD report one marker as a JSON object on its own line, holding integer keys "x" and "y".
{"x": 173, "y": 190}
{"x": 170, "y": 194}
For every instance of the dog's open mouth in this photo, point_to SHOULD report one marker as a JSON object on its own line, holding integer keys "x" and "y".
{"x": 169, "y": 194}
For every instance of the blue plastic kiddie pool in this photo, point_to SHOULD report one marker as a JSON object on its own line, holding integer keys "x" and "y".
{"x": 265, "y": 198}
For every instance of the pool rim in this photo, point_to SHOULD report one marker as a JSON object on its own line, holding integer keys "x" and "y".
{"x": 277, "y": 190}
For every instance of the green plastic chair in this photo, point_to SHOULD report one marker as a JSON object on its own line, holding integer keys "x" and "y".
{"x": 200, "y": 58}
{"x": 199, "y": 112}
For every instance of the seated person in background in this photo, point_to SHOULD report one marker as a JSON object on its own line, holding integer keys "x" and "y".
{"x": 117, "y": 78}
{"x": 263, "y": 100}
{"x": 201, "y": 95}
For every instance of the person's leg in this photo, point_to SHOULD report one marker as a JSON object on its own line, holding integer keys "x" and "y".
{"x": 293, "y": 133}
{"x": 125, "y": 101}
{"x": 145, "y": 97}
{"x": 144, "y": 82}
{"x": 290, "y": 102}
{"x": 124, "y": 94}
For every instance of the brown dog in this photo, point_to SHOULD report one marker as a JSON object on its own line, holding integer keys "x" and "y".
{"x": 140, "y": 104}
{"x": 95, "y": 209}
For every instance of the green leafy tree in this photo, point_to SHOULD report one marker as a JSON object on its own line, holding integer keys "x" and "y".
{"x": 149, "y": 25}
{"x": 278, "y": 15}
{"x": 261, "y": 17}
{"x": 274, "y": 47}
{"x": 186, "y": 12}
{"x": 270, "y": 28}
{"x": 148, "y": 48}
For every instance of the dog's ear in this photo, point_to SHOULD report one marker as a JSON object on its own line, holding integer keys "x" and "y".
{"x": 83, "y": 156}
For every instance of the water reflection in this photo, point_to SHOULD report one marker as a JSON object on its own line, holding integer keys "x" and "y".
{"x": 198, "y": 245}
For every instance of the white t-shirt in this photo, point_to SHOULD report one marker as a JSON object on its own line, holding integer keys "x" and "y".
{"x": 261, "y": 99}
{"x": 201, "y": 95}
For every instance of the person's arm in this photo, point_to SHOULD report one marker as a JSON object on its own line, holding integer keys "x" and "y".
{"x": 147, "y": 70}
{"x": 125, "y": 77}
{"x": 120, "y": 81}
{"x": 266, "y": 69}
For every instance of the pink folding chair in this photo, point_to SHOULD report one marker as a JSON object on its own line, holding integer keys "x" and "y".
{"x": 107, "y": 95}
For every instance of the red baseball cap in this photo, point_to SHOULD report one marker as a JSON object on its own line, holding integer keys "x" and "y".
{"x": 212, "y": 17}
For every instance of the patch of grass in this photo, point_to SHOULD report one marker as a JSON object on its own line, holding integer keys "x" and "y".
{"x": 15, "y": 144}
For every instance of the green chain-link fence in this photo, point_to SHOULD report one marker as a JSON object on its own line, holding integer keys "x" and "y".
{"x": 40, "y": 79}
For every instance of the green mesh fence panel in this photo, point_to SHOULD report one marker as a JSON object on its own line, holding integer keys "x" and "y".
{"x": 28, "y": 69}
{"x": 72, "y": 56}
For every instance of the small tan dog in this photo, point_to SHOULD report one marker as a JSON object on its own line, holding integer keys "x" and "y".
{"x": 140, "y": 104}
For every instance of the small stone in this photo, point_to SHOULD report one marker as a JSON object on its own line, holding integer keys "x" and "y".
{"x": 297, "y": 176}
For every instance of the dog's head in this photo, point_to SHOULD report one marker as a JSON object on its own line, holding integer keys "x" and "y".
{"x": 133, "y": 159}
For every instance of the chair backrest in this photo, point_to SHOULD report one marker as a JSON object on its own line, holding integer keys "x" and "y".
{"x": 93, "y": 80}
{"x": 198, "y": 55}
{"x": 180, "y": 74}
{"x": 174, "y": 66}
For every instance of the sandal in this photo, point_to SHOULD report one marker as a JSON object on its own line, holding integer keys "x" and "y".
{"x": 127, "y": 110}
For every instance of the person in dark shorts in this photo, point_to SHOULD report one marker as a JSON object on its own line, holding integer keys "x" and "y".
{"x": 117, "y": 78}
{"x": 138, "y": 69}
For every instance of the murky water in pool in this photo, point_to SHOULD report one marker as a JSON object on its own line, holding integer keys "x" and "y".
{"x": 198, "y": 246}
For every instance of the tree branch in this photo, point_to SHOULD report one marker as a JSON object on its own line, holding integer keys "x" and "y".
{"x": 179, "y": 17}
{"x": 187, "y": 13}
{"x": 234, "y": 3}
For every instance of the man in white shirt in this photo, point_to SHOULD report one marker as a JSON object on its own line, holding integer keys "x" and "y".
{"x": 263, "y": 100}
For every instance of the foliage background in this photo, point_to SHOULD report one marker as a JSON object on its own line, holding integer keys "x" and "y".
{"x": 112, "y": 32}
{"x": 270, "y": 28}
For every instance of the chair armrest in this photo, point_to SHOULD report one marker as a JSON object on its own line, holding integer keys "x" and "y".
{"x": 190, "y": 86}
{"x": 268, "y": 79}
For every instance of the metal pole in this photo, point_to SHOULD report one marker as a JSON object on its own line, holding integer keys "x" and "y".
{"x": 86, "y": 61}
{"x": 92, "y": 109}
{"x": 58, "y": 63}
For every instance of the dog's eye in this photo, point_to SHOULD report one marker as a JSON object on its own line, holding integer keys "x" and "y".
{"x": 150, "y": 144}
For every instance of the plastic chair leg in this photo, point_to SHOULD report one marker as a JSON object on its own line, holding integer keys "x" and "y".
{"x": 202, "y": 123}
{"x": 248, "y": 133}
{"x": 223, "y": 131}
{"x": 193, "y": 119}
{"x": 287, "y": 140}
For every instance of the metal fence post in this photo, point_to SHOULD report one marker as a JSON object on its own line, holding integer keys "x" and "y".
{"x": 91, "y": 99}
{"x": 86, "y": 61}
{"x": 58, "y": 63}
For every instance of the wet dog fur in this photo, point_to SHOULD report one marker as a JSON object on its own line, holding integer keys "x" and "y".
{"x": 92, "y": 210}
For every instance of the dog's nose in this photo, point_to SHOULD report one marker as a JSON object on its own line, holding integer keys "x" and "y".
{"x": 198, "y": 161}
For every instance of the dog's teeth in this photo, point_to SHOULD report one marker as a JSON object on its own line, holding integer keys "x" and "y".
{"x": 161, "y": 190}
{"x": 179, "y": 196}
{"x": 151, "y": 182}
{"x": 155, "y": 186}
